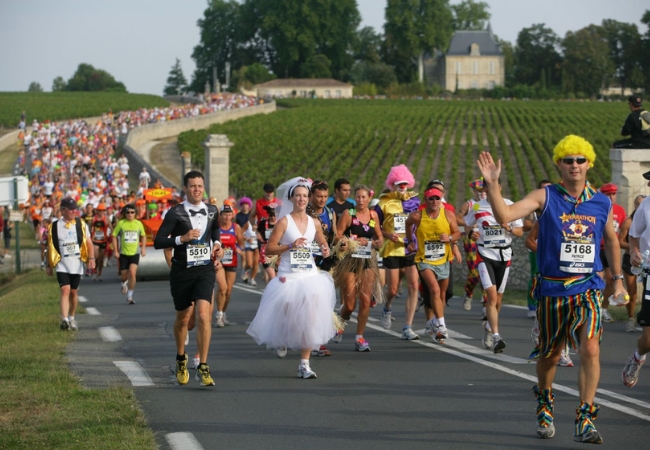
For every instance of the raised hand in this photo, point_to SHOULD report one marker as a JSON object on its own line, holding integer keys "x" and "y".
{"x": 488, "y": 168}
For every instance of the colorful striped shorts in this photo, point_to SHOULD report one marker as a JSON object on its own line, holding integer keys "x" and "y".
{"x": 560, "y": 317}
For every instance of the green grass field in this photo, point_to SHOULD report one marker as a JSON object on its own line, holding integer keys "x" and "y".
{"x": 361, "y": 139}
{"x": 42, "y": 405}
{"x": 69, "y": 105}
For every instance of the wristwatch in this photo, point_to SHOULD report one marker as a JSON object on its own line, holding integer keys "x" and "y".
{"x": 617, "y": 277}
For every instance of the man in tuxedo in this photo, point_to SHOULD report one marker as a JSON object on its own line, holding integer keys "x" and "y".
{"x": 192, "y": 230}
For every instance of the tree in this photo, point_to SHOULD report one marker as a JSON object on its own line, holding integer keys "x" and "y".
{"x": 508, "y": 61}
{"x": 58, "y": 84}
{"x": 318, "y": 66}
{"x": 624, "y": 41}
{"x": 248, "y": 76}
{"x": 537, "y": 49}
{"x": 367, "y": 45}
{"x": 586, "y": 59}
{"x": 34, "y": 87}
{"x": 412, "y": 28}
{"x": 644, "y": 54}
{"x": 220, "y": 31}
{"x": 377, "y": 73}
{"x": 87, "y": 78}
{"x": 295, "y": 32}
{"x": 470, "y": 15}
{"x": 176, "y": 82}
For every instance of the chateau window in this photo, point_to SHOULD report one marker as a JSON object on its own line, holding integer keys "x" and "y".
{"x": 490, "y": 84}
{"x": 458, "y": 66}
{"x": 327, "y": 93}
{"x": 475, "y": 67}
{"x": 338, "y": 94}
{"x": 474, "y": 84}
{"x": 492, "y": 68}
{"x": 474, "y": 50}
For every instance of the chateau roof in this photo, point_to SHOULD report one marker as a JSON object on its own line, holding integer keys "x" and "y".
{"x": 462, "y": 40}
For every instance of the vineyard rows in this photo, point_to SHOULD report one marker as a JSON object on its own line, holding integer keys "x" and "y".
{"x": 66, "y": 105}
{"x": 361, "y": 139}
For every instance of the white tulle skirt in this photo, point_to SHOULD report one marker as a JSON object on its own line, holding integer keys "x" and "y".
{"x": 296, "y": 313}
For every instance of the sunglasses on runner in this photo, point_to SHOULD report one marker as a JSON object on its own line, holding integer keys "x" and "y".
{"x": 131, "y": 211}
{"x": 570, "y": 161}
{"x": 434, "y": 198}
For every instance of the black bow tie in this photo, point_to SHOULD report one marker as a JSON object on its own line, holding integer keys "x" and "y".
{"x": 194, "y": 212}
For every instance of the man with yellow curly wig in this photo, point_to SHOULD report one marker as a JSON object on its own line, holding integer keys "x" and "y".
{"x": 575, "y": 217}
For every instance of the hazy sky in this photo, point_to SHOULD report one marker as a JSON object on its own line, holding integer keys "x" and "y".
{"x": 137, "y": 41}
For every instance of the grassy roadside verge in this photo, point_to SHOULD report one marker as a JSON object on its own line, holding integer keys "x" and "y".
{"x": 42, "y": 405}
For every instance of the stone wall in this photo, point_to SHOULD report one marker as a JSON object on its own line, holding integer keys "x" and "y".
{"x": 139, "y": 136}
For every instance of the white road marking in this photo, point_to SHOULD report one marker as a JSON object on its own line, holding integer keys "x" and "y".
{"x": 446, "y": 348}
{"x": 82, "y": 299}
{"x": 183, "y": 441}
{"x": 109, "y": 334}
{"x": 525, "y": 376}
{"x": 135, "y": 372}
{"x": 93, "y": 312}
{"x": 247, "y": 289}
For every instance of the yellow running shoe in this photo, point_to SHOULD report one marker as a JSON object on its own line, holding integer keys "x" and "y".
{"x": 203, "y": 375}
{"x": 182, "y": 375}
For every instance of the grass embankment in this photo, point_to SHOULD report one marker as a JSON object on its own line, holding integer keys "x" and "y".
{"x": 69, "y": 105}
{"x": 42, "y": 405}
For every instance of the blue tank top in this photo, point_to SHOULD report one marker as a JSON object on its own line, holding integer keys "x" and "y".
{"x": 568, "y": 244}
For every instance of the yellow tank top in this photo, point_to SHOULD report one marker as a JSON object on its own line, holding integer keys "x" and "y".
{"x": 430, "y": 249}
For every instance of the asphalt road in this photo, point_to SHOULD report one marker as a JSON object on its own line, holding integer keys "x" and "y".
{"x": 402, "y": 394}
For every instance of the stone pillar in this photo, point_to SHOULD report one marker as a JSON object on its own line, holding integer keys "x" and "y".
{"x": 628, "y": 167}
{"x": 217, "y": 160}
{"x": 186, "y": 158}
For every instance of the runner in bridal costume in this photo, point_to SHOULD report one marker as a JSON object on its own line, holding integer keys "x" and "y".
{"x": 296, "y": 308}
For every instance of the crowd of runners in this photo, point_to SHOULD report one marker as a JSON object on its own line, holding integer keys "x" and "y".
{"x": 324, "y": 258}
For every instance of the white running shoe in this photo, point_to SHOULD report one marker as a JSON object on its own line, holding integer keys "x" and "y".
{"x": 225, "y": 320}
{"x": 488, "y": 338}
{"x": 219, "y": 321}
{"x": 534, "y": 333}
{"x": 253, "y": 282}
{"x": 441, "y": 334}
{"x": 304, "y": 371}
{"x": 245, "y": 275}
{"x": 631, "y": 371}
{"x": 386, "y": 321}
{"x": 281, "y": 352}
{"x": 483, "y": 313}
{"x": 429, "y": 327}
{"x": 195, "y": 363}
{"x": 467, "y": 303}
{"x": 630, "y": 325}
{"x": 565, "y": 359}
{"x": 408, "y": 334}
{"x": 532, "y": 313}
{"x": 606, "y": 316}
{"x": 361, "y": 345}
{"x": 73, "y": 325}
{"x": 124, "y": 288}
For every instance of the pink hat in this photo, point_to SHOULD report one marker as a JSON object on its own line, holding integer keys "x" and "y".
{"x": 399, "y": 174}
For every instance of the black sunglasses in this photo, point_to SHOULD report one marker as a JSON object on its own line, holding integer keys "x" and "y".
{"x": 131, "y": 211}
{"x": 570, "y": 161}
{"x": 434, "y": 198}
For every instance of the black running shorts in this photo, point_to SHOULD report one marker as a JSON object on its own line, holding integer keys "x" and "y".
{"x": 68, "y": 279}
{"x": 126, "y": 261}
{"x": 399, "y": 262}
{"x": 190, "y": 284}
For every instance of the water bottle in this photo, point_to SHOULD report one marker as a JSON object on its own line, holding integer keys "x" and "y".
{"x": 619, "y": 300}
{"x": 637, "y": 270}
